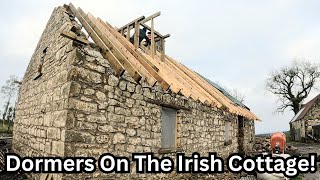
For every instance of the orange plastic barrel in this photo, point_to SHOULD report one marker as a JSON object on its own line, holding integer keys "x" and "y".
{"x": 278, "y": 138}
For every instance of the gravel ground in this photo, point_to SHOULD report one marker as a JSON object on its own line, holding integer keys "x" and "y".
{"x": 11, "y": 176}
{"x": 303, "y": 150}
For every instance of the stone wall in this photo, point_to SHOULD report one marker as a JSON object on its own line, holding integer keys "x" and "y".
{"x": 78, "y": 107}
{"x": 120, "y": 116}
{"x": 304, "y": 125}
{"x": 41, "y": 109}
{"x": 39, "y": 128}
{"x": 312, "y": 118}
{"x": 298, "y": 127}
{"x": 249, "y": 135}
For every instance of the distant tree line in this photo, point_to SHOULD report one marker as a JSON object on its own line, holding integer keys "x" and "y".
{"x": 9, "y": 92}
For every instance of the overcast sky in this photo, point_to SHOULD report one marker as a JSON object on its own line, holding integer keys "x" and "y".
{"x": 236, "y": 43}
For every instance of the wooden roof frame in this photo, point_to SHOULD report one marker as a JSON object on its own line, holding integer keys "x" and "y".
{"x": 154, "y": 67}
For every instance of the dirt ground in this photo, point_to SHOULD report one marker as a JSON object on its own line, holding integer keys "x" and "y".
{"x": 12, "y": 176}
{"x": 303, "y": 150}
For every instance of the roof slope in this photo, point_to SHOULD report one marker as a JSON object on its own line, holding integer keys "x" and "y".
{"x": 305, "y": 109}
{"x": 226, "y": 93}
{"x": 165, "y": 71}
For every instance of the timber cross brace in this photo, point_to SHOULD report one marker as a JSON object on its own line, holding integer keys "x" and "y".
{"x": 157, "y": 41}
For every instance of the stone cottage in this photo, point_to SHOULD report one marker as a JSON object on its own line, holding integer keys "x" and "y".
{"x": 75, "y": 100}
{"x": 306, "y": 121}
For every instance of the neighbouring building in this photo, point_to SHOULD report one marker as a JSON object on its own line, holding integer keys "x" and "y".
{"x": 307, "y": 121}
{"x": 74, "y": 102}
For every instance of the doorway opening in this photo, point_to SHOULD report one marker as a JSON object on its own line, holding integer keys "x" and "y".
{"x": 241, "y": 127}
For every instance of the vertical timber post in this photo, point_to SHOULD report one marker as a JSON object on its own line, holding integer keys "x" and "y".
{"x": 162, "y": 49}
{"x": 128, "y": 32}
{"x": 152, "y": 39}
{"x": 122, "y": 32}
{"x": 136, "y": 34}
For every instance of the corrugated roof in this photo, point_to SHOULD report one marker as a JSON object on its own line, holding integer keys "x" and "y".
{"x": 305, "y": 109}
{"x": 297, "y": 115}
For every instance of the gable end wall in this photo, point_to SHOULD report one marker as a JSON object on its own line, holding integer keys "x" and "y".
{"x": 305, "y": 124}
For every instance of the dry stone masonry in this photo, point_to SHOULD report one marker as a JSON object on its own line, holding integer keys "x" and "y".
{"x": 72, "y": 104}
{"x": 300, "y": 128}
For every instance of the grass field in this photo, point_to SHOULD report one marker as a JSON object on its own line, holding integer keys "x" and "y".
{"x": 288, "y": 136}
{"x": 4, "y": 128}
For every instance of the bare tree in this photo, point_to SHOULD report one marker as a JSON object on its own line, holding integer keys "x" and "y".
{"x": 10, "y": 117}
{"x": 9, "y": 90}
{"x": 237, "y": 94}
{"x": 292, "y": 84}
{"x": 233, "y": 92}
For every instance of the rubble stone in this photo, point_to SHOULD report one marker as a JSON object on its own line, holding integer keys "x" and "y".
{"x": 76, "y": 108}
{"x": 119, "y": 138}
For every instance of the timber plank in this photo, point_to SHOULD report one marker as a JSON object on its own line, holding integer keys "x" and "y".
{"x": 131, "y": 23}
{"x": 182, "y": 77}
{"x": 186, "y": 81}
{"x": 171, "y": 76}
{"x": 139, "y": 56}
{"x": 115, "y": 64}
{"x": 122, "y": 55}
{"x": 151, "y": 17}
{"x": 193, "y": 83}
{"x": 153, "y": 46}
{"x": 235, "y": 109}
{"x": 198, "y": 79}
{"x": 155, "y": 32}
{"x": 128, "y": 33}
{"x": 74, "y": 37}
{"x": 189, "y": 74}
{"x": 123, "y": 51}
{"x": 232, "y": 108}
{"x": 175, "y": 87}
{"x": 136, "y": 34}
{"x": 129, "y": 46}
{"x": 133, "y": 72}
